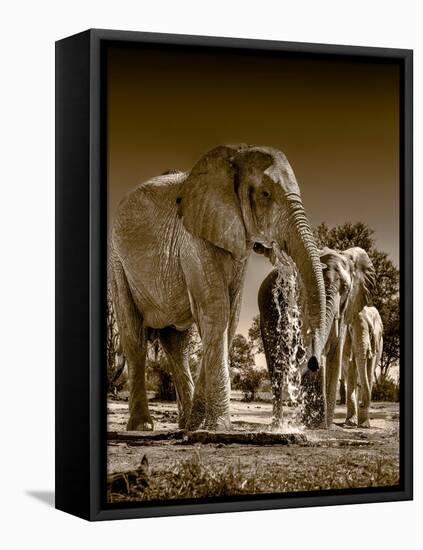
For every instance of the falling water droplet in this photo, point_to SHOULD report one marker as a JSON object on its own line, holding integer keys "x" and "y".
{"x": 289, "y": 338}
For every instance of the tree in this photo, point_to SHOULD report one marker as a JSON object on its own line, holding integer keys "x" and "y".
{"x": 241, "y": 356}
{"x": 391, "y": 336}
{"x": 345, "y": 236}
{"x": 159, "y": 373}
{"x": 244, "y": 374}
{"x": 386, "y": 292}
{"x": 254, "y": 335}
{"x": 250, "y": 382}
{"x": 159, "y": 377}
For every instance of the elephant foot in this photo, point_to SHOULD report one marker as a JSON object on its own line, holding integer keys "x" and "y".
{"x": 194, "y": 422}
{"x": 183, "y": 422}
{"x": 140, "y": 424}
{"x": 334, "y": 427}
{"x": 363, "y": 417}
{"x": 222, "y": 424}
{"x": 321, "y": 426}
{"x": 350, "y": 422}
{"x": 314, "y": 422}
{"x": 198, "y": 413}
{"x": 276, "y": 426}
{"x": 364, "y": 424}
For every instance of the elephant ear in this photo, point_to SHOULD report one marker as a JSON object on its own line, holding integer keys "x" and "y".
{"x": 364, "y": 280}
{"x": 209, "y": 204}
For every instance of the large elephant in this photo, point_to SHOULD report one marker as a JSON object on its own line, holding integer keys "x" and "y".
{"x": 349, "y": 280}
{"x": 362, "y": 354}
{"x": 178, "y": 256}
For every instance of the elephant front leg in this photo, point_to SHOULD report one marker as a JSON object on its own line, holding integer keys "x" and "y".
{"x": 351, "y": 390}
{"x": 210, "y": 306}
{"x": 217, "y": 381}
{"x": 333, "y": 372}
{"x": 361, "y": 352}
{"x": 364, "y": 395}
{"x": 335, "y": 357}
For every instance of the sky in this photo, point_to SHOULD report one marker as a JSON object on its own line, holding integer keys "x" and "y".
{"x": 337, "y": 121}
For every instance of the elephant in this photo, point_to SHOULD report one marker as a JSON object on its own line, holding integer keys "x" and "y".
{"x": 349, "y": 279}
{"x": 179, "y": 248}
{"x": 362, "y": 354}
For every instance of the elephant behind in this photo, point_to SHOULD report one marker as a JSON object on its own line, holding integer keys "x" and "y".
{"x": 178, "y": 256}
{"x": 364, "y": 346}
{"x": 349, "y": 281}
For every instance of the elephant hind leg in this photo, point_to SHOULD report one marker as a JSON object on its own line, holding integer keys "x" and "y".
{"x": 198, "y": 410}
{"x": 134, "y": 345}
{"x": 175, "y": 345}
{"x": 364, "y": 394}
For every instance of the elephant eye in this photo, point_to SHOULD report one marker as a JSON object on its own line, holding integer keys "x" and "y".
{"x": 265, "y": 194}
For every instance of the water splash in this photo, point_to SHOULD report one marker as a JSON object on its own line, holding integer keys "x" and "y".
{"x": 289, "y": 350}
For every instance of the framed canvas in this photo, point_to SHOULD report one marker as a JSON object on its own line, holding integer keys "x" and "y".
{"x": 233, "y": 274}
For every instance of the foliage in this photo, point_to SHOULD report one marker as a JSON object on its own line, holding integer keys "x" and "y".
{"x": 254, "y": 335}
{"x": 196, "y": 478}
{"x": 345, "y": 236}
{"x": 390, "y": 313}
{"x": 159, "y": 377}
{"x": 243, "y": 372}
{"x": 241, "y": 356}
{"x": 386, "y": 294}
{"x": 161, "y": 381}
{"x": 250, "y": 382}
{"x": 385, "y": 388}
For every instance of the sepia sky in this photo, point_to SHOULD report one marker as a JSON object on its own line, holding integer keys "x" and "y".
{"x": 336, "y": 121}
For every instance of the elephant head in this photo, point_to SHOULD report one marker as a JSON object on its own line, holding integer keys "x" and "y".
{"x": 349, "y": 280}
{"x": 239, "y": 196}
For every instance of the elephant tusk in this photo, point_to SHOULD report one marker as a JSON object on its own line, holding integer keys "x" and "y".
{"x": 337, "y": 327}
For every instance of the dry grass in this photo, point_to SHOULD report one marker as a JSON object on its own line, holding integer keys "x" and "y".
{"x": 194, "y": 478}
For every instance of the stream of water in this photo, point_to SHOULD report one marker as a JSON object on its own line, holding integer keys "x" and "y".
{"x": 289, "y": 341}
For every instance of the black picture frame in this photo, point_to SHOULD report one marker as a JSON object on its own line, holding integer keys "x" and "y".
{"x": 81, "y": 196}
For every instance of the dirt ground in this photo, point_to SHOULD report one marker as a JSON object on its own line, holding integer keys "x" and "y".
{"x": 338, "y": 458}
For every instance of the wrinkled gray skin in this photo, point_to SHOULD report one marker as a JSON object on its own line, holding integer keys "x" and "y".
{"x": 349, "y": 280}
{"x": 362, "y": 354}
{"x": 179, "y": 250}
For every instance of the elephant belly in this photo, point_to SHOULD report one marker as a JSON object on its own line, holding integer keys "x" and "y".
{"x": 162, "y": 301}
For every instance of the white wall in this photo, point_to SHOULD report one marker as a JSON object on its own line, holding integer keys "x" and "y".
{"x": 29, "y": 29}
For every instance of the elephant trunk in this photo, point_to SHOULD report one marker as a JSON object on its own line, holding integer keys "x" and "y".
{"x": 302, "y": 248}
